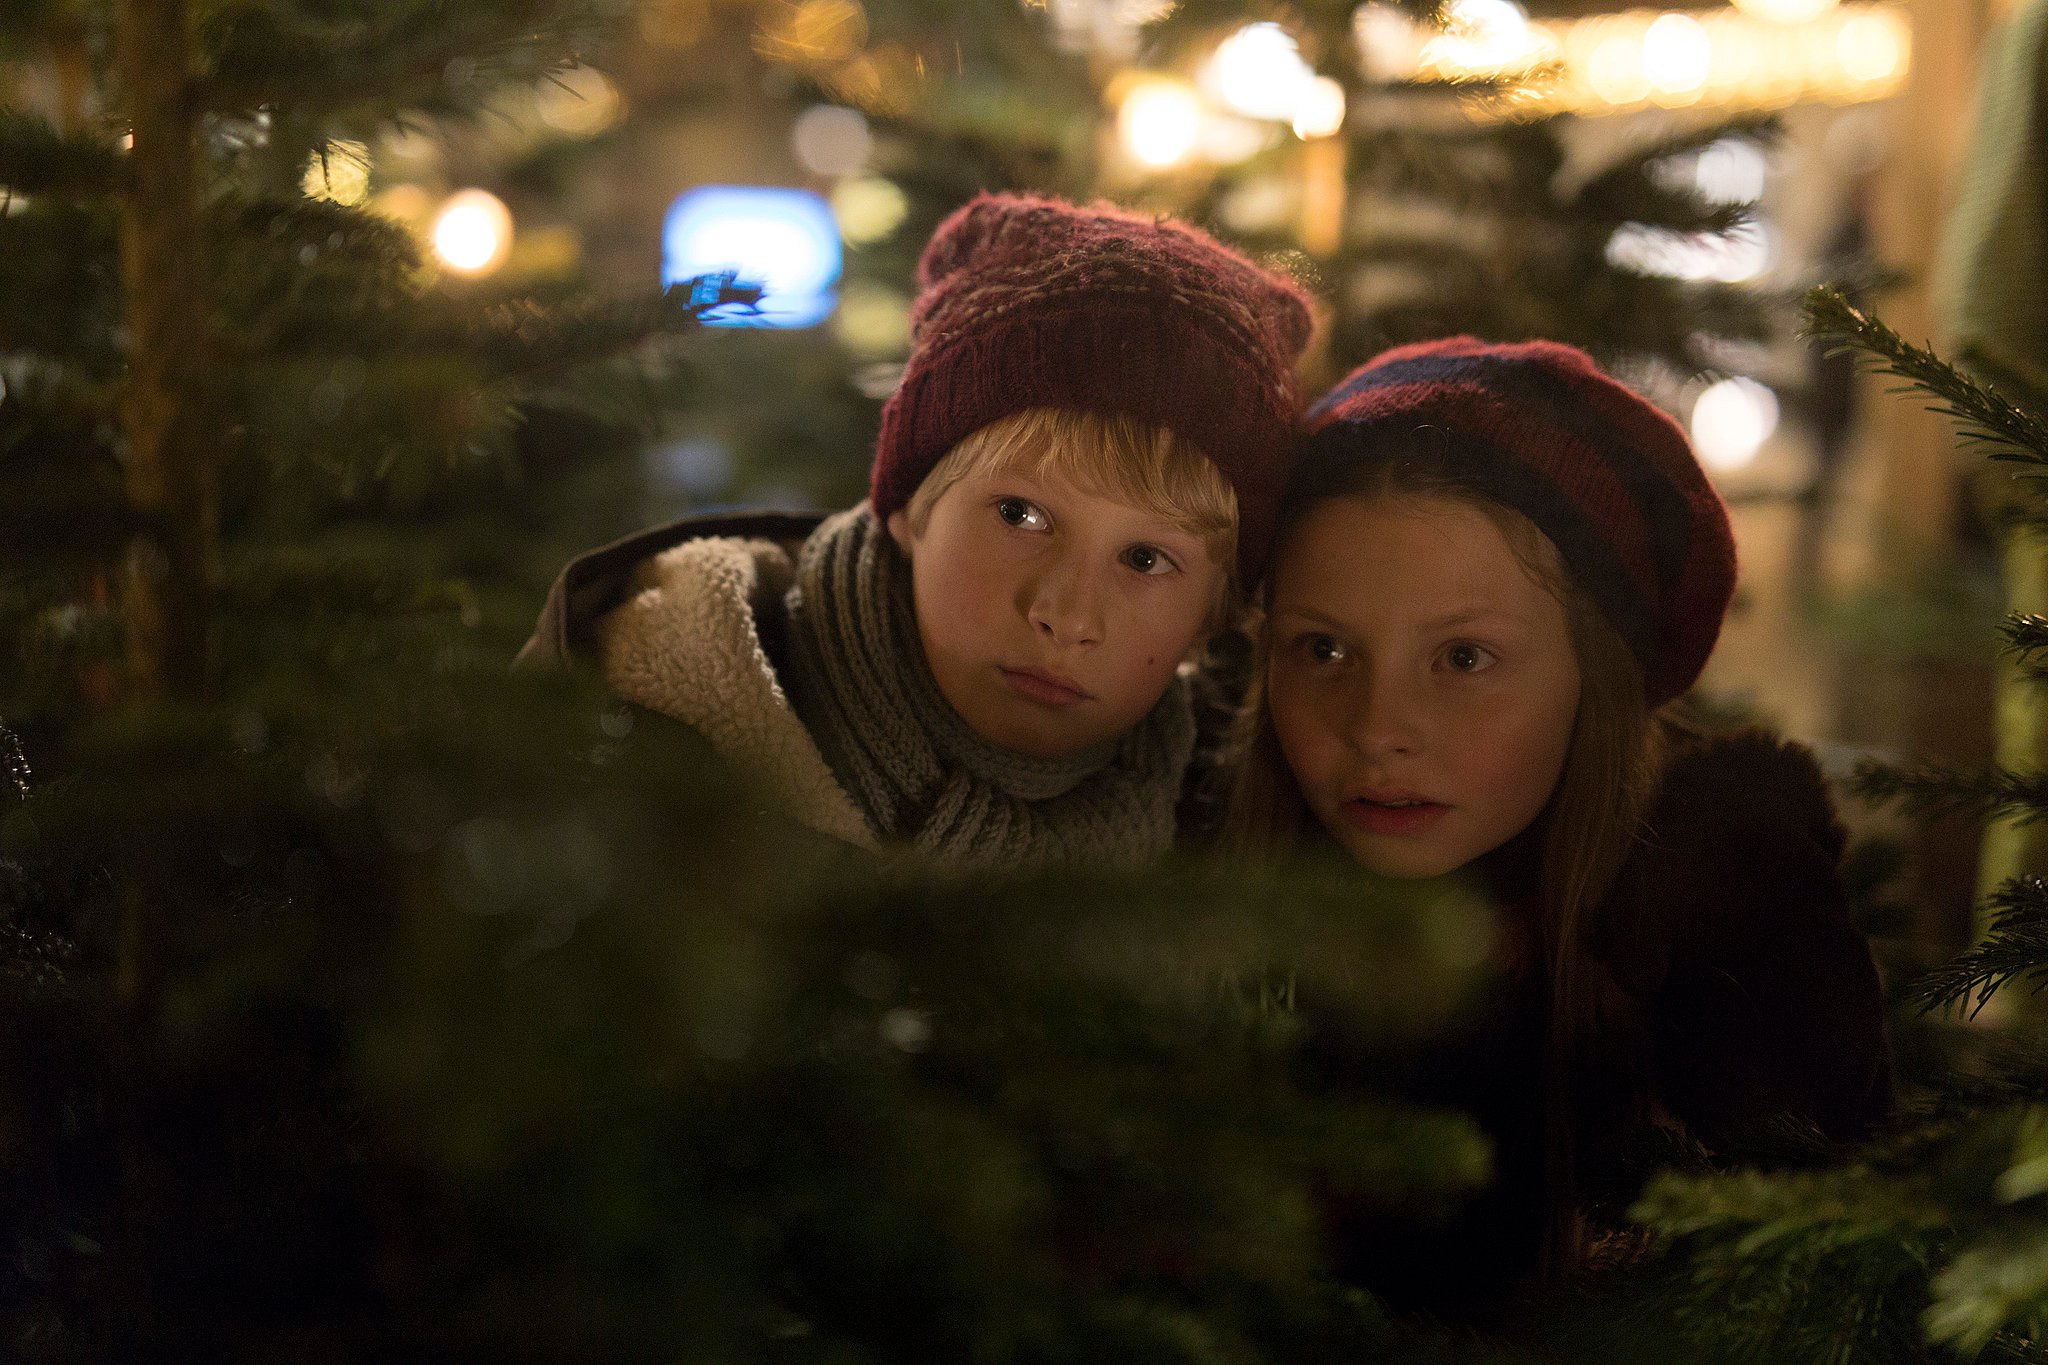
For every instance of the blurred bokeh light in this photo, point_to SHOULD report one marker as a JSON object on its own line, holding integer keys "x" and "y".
{"x": 472, "y": 234}
{"x": 784, "y": 240}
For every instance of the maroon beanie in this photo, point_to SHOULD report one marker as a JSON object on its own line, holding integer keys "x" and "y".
{"x": 1609, "y": 478}
{"x": 1034, "y": 303}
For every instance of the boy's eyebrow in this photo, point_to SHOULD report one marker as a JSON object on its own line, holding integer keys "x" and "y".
{"x": 1161, "y": 521}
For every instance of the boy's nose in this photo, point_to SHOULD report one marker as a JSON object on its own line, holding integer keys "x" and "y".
{"x": 1064, "y": 605}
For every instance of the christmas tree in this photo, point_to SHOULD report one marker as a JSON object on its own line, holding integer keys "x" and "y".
{"x": 368, "y": 1000}
{"x": 1931, "y": 1242}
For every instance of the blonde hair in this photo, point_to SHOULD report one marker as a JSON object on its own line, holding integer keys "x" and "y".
{"x": 1591, "y": 823}
{"x": 1138, "y": 463}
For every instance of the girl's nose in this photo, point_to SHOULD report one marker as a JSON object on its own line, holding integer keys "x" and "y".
{"x": 1382, "y": 721}
{"x": 1064, "y": 605}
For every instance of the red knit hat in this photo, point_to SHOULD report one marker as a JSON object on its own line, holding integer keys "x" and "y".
{"x": 1609, "y": 478}
{"x": 1029, "y": 303}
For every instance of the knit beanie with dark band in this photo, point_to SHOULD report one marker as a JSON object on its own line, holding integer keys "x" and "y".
{"x": 1609, "y": 478}
{"x": 1027, "y": 303}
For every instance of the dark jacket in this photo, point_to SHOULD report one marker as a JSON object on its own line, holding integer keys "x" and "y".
{"x": 1749, "y": 1028}
{"x": 596, "y": 581}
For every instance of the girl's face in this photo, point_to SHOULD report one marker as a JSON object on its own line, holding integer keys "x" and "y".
{"x": 1422, "y": 683}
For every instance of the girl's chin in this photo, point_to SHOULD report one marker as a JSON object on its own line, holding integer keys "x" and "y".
{"x": 1395, "y": 858}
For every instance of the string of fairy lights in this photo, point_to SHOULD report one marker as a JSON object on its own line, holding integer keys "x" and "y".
{"x": 1248, "y": 93}
{"x": 1252, "y": 90}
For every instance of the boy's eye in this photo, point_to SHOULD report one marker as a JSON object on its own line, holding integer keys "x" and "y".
{"x": 1321, "y": 648}
{"x": 1466, "y": 657}
{"x": 1023, "y": 513}
{"x": 1148, "y": 559}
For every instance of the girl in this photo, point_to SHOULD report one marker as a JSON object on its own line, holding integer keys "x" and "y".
{"x": 1495, "y": 566}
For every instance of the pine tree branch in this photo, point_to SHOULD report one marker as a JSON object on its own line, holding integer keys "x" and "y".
{"x": 526, "y": 345}
{"x": 1999, "y": 1285}
{"x": 416, "y": 55}
{"x": 1931, "y": 791}
{"x": 2026, "y": 639}
{"x": 14, "y": 764}
{"x": 37, "y": 159}
{"x": 2015, "y": 948}
{"x": 1982, "y": 415}
{"x": 1636, "y": 190}
{"x": 58, "y": 297}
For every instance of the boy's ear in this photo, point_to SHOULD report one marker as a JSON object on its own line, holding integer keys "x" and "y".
{"x": 899, "y": 531}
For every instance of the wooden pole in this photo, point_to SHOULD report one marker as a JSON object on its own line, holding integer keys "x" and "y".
{"x": 165, "y": 288}
{"x": 165, "y": 285}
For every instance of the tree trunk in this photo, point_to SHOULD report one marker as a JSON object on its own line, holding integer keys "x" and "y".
{"x": 165, "y": 285}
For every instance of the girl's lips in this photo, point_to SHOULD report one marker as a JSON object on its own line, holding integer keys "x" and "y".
{"x": 1374, "y": 818}
{"x": 1047, "y": 689}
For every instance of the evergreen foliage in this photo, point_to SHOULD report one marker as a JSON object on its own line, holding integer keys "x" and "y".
{"x": 368, "y": 1002}
{"x": 1932, "y": 1242}
{"x": 365, "y": 1001}
{"x": 1462, "y": 215}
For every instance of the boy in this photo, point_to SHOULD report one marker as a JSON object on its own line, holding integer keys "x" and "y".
{"x": 1082, "y": 460}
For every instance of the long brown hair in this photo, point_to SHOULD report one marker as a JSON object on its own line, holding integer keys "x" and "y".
{"x": 1592, "y": 822}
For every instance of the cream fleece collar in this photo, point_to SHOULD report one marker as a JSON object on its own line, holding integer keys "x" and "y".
{"x": 685, "y": 643}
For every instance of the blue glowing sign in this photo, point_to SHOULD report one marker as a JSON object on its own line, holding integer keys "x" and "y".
{"x": 784, "y": 240}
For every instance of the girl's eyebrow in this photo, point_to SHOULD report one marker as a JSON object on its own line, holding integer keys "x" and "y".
{"x": 1469, "y": 615}
{"x": 1464, "y": 616}
{"x": 1307, "y": 614}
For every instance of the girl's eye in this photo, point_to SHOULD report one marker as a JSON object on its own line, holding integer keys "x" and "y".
{"x": 1148, "y": 559}
{"x": 1321, "y": 648}
{"x": 1023, "y": 514}
{"x": 1466, "y": 657}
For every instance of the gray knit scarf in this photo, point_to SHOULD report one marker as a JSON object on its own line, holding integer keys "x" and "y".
{"x": 859, "y": 681}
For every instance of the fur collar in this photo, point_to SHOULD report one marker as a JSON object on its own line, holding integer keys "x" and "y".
{"x": 686, "y": 642}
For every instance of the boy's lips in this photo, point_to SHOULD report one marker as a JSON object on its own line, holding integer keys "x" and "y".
{"x": 1045, "y": 687}
{"x": 1393, "y": 812}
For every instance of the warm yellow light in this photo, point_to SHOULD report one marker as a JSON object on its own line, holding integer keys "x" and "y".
{"x": 1484, "y": 38}
{"x": 1159, "y": 122}
{"x": 1859, "y": 50}
{"x": 1321, "y": 111}
{"x": 1389, "y": 42}
{"x": 1258, "y": 71}
{"x": 473, "y": 232}
{"x": 1872, "y": 47}
{"x": 1786, "y": 11}
{"x": 868, "y": 209}
{"x": 1677, "y": 54}
{"x": 341, "y": 173}
{"x": 1227, "y": 139}
{"x": 580, "y": 101}
{"x": 1615, "y": 69}
{"x": 873, "y": 320}
{"x": 407, "y": 204}
{"x": 815, "y": 32}
{"x": 1731, "y": 421}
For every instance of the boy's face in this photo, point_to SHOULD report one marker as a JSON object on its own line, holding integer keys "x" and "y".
{"x": 1421, "y": 683}
{"x": 1053, "y": 618}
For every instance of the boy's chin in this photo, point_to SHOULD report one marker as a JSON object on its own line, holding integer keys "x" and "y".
{"x": 1042, "y": 734}
{"x": 1042, "y": 742}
